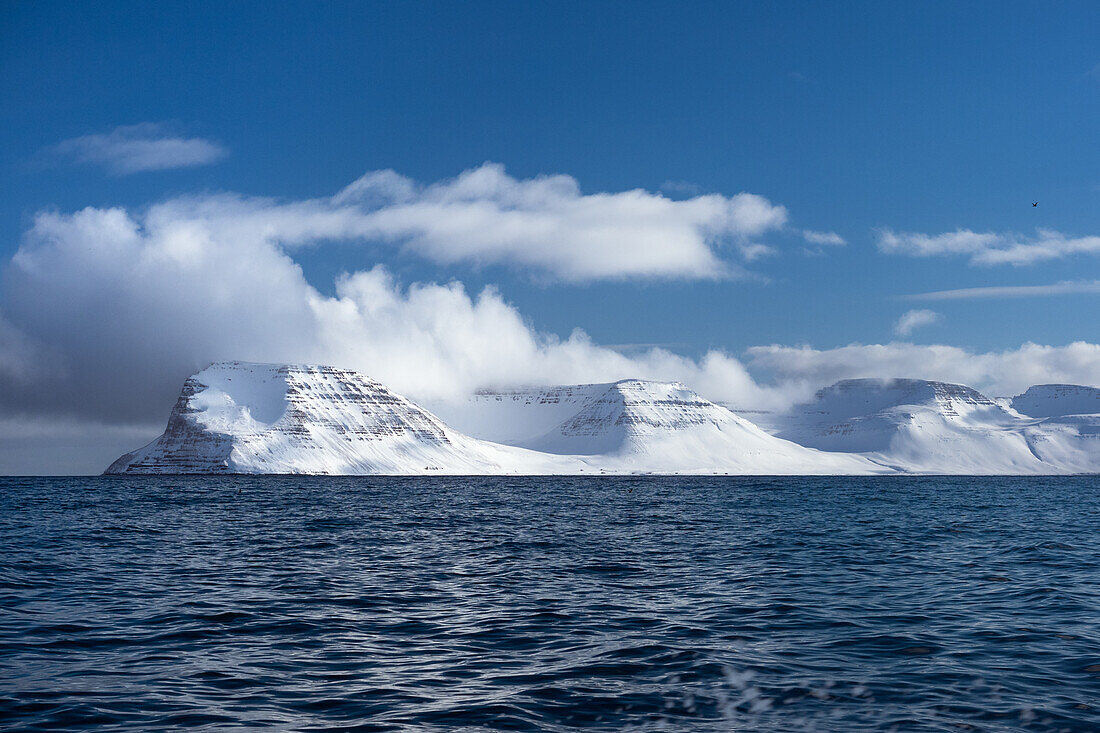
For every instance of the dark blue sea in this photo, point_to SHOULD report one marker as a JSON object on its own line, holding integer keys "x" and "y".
{"x": 550, "y": 604}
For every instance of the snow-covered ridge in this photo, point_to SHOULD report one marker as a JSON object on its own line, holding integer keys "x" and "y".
{"x": 851, "y": 397}
{"x": 1055, "y": 400}
{"x": 936, "y": 427}
{"x": 632, "y": 410}
{"x": 638, "y": 425}
{"x": 514, "y": 416}
{"x": 236, "y": 417}
{"x": 635, "y": 424}
{"x": 532, "y": 416}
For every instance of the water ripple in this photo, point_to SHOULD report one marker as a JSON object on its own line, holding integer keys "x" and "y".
{"x": 681, "y": 604}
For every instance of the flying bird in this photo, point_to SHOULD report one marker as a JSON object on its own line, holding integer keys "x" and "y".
{"x": 1034, "y": 203}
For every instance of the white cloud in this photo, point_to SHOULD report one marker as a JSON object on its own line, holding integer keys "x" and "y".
{"x": 107, "y": 311}
{"x": 915, "y": 319}
{"x": 138, "y": 148}
{"x": 484, "y": 216}
{"x": 823, "y": 238}
{"x": 1012, "y": 291}
{"x": 130, "y": 305}
{"x": 962, "y": 241}
{"x": 546, "y": 223}
{"x": 1000, "y": 373}
{"x": 988, "y": 248}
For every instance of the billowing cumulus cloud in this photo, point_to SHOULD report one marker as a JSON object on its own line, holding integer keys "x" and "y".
{"x": 105, "y": 312}
{"x": 122, "y": 308}
{"x": 915, "y": 319}
{"x": 542, "y": 225}
{"x": 137, "y": 148}
{"x": 988, "y": 248}
{"x": 546, "y": 223}
{"x": 118, "y": 310}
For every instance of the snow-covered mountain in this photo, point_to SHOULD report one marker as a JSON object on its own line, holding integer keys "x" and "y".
{"x": 1056, "y": 400}
{"x": 515, "y": 416}
{"x": 237, "y": 417}
{"x": 936, "y": 427}
{"x": 638, "y": 425}
{"x": 1066, "y": 432}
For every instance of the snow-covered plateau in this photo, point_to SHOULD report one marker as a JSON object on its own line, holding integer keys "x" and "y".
{"x": 238, "y": 417}
{"x": 922, "y": 426}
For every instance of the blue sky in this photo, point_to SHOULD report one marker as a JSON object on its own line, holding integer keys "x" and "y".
{"x": 857, "y": 119}
{"x": 927, "y": 119}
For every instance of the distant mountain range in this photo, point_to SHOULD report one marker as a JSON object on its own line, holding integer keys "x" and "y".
{"x": 238, "y": 417}
{"x": 933, "y": 427}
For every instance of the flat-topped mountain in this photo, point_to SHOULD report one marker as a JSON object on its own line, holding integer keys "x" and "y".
{"x": 1065, "y": 425}
{"x": 854, "y": 397}
{"x": 587, "y": 418}
{"x": 629, "y": 412}
{"x": 1055, "y": 400}
{"x": 516, "y": 415}
{"x": 934, "y": 427}
{"x": 639, "y": 425}
{"x": 237, "y": 417}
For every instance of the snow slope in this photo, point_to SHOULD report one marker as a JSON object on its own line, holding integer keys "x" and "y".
{"x": 515, "y": 416}
{"x": 1056, "y": 400}
{"x": 935, "y": 427}
{"x": 641, "y": 426}
{"x": 236, "y": 417}
{"x": 1067, "y": 431}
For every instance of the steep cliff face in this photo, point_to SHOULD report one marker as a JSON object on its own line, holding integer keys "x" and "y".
{"x": 237, "y": 417}
{"x": 186, "y": 446}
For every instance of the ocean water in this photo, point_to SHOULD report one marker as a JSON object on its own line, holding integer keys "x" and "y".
{"x": 550, "y": 604}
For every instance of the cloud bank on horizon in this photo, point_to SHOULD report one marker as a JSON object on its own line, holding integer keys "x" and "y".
{"x": 106, "y": 310}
